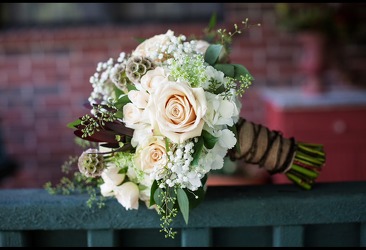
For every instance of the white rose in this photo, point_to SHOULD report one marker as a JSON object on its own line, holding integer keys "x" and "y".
{"x": 131, "y": 115}
{"x": 111, "y": 179}
{"x": 177, "y": 110}
{"x": 150, "y": 47}
{"x": 153, "y": 78}
{"x": 151, "y": 155}
{"x": 138, "y": 98}
{"x": 128, "y": 195}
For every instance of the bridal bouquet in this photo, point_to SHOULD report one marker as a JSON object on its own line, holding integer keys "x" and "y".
{"x": 166, "y": 114}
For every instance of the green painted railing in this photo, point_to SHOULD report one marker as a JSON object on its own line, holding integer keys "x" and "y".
{"x": 332, "y": 214}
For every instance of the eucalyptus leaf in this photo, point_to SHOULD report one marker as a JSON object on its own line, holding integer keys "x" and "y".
{"x": 183, "y": 204}
{"x": 227, "y": 69}
{"x": 157, "y": 194}
{"x": 212, "y": 53}
{"x": 240, "y": 70}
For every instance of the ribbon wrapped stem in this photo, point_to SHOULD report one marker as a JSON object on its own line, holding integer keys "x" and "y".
{"x": 301, "y": 162}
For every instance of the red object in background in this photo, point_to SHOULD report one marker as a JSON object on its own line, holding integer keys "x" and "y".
{"x": 337, "y": 120}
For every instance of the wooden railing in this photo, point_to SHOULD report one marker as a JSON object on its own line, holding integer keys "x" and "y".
{"x": 331, "y": 214}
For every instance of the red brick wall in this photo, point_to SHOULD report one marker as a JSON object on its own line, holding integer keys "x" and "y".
{"x": 44, "y": 80}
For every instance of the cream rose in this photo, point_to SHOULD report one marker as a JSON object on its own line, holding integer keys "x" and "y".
{"x": 176, "y": 110}
{"x": 128, "y": 195}
{"x": 138, "y": 98}
{"x": 151, "y": 155}
{"x": 131, "y": 115}
{"x": 153, "y": 78}
{"x": 111, "y": 179}
{"x": 151, "y": 47}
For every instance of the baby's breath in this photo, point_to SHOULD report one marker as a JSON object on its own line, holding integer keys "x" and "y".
{"x": 103, "y": 87}
{"x": 190, "y": 69}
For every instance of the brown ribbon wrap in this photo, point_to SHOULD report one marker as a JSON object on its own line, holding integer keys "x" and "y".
{"x": 265, "y": 147}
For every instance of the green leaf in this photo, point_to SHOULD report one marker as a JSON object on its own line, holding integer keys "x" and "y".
{"x": 197, "y": 150}
{"x": 131, "y": 87}
{"x": 122, "y": 101}
{"x": 118, "y": 91}
{"x": 183, "y": 204}
{"x": 227, "y": 69}
{"x": 208, "y": 139}
{"x": 233, "y": 70}
{"x": 213, "y": 21}
{"x": 74, "y": 123}
{"x": 212, "y": 53}
{"x": 154, "y": 187}
{"x": 220, "y": 89}
{"x": 119, "y": 114}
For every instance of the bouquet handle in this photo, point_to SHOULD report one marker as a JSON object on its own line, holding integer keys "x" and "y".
{"x": 301, "y": 162}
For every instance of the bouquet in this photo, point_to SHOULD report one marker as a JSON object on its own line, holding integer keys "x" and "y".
{"x": 166, "y": 114}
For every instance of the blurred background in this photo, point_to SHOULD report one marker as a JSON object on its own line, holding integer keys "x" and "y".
{"x": 308, "y": 61}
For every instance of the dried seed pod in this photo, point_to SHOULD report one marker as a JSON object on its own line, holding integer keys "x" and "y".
{"x": 119, "y": 77}
{"x": 137, "y": 66}
{"x": 91, "y": 163}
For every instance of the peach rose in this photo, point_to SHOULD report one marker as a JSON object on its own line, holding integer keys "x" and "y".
{"x": 151, "y": 154}
{"x": 177, "y": 110}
